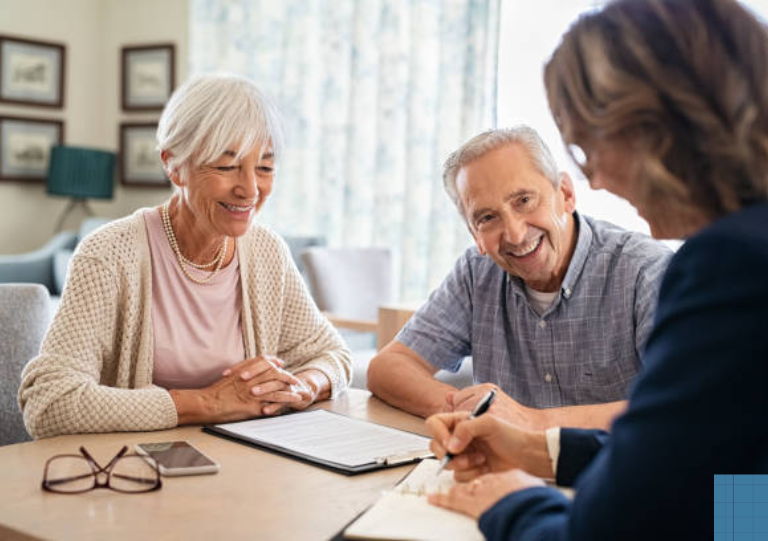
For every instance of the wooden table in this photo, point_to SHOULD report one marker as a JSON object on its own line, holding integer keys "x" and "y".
{"x": 256, "y": 495}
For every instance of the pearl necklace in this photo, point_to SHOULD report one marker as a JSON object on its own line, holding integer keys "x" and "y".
{"x": 183, "y": 261}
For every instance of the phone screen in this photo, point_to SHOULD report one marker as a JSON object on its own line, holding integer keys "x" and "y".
{"x": 176, "y": 454}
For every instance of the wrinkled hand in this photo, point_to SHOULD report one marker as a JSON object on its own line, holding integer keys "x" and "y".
{"x": 476, "y": 497}
{"x": 248, "y": 389}
{"x": 487, "y": 444}
{"x": 278, "y": 389}
{"x": 504, "y": 406}
{"x": 263, "y": 377}
{"x": 306, "y": 392}
{"x": 230, "y": 398}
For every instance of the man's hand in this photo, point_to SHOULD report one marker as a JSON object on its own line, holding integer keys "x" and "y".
{"x": 476, "y": 497}
{"x": 504, "y": 406}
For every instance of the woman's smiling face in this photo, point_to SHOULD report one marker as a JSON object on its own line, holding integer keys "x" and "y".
{"x": 225, "y": 195}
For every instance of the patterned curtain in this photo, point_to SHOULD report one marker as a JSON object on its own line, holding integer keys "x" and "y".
{"x": 374, "y": 95}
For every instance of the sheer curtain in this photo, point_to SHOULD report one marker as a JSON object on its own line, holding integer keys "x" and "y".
{"x": 374, "y": 95}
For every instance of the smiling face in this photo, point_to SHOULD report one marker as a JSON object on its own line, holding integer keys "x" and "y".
{"x": 221, "y": 198}
{"x": 517, "y": 217}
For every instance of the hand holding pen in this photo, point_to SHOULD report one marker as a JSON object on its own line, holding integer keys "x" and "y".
{"x": 480, "y": 408}
{"x": 477, "y": 444}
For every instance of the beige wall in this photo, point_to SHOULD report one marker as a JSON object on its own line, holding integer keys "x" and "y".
{"x": 94, "y": 31}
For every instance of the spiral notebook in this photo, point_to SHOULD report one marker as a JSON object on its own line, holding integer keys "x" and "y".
{"x": 404, "y": 513}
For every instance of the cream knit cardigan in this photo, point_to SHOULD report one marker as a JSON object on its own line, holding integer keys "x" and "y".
{"x": 94, "y": 371}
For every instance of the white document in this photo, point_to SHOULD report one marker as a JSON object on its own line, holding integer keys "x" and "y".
{"x": 404, "y": 512}
{"x": 330, "y": 438}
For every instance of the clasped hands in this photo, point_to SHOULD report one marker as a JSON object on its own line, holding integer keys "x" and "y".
{"x": 259, "y": 386}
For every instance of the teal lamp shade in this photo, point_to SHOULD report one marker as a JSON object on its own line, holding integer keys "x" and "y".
{"x": 81, "y": 173}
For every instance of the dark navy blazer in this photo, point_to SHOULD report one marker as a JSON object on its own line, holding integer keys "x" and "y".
{"x": 699, "y": 408}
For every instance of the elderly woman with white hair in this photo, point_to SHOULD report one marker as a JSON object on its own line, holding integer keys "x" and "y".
{"x": 189, "y": 312}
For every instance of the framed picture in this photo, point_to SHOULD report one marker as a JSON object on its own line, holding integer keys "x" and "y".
{"x": 148, "y": 76}
{"x": 140, "y": 163}
{"x": 32, "y": 72}
{"x": 25, "y": 147}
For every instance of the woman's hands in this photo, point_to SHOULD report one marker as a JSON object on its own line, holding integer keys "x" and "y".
{"x": 476, "y": 497}
{"x": 488, "y": 452}
{"x": 265, "y": 380}
{"x": 250, "y": 388}
{"x": 487, "y": 444}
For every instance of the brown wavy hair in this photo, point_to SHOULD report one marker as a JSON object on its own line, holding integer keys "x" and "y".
{"x": 684, "y": 83}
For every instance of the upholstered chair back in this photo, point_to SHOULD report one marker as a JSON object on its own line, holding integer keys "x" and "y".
{"x": 25, "y": 312}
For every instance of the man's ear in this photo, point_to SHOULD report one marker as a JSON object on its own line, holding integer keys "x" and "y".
{"x": 480, "y": 246}
{"x": 568, "y": 191}
{"x": 172, "y": 172}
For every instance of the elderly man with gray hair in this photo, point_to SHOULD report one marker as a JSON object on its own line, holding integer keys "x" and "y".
{"x": 554, "y": 307}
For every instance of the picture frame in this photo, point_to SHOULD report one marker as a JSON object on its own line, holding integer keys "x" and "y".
{"x": 32, "y": 72}
{"x": 140, "y": 163}
{"x": 148, "y": 76}
{"x": 25, "y": 147}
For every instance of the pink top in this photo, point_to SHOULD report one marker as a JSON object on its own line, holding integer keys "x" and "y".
{"x": 197, "y": 327}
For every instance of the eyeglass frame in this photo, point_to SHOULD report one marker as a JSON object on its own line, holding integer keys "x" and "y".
{"x": 98, "y": 469}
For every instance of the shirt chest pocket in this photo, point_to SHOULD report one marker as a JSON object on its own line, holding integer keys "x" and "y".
{"x": 604, "y": 381}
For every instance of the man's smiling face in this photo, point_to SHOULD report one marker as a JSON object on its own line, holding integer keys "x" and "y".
{"x": 517, "y": 217}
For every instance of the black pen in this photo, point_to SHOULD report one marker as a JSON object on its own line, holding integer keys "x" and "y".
{"x": 482, "y": 407}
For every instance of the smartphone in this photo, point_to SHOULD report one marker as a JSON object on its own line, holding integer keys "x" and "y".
{"x": 178, "y": 458}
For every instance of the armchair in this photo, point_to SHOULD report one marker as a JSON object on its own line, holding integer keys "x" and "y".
{"x": 37, "y": 266}
{"x": 24, "y": 316}
{"x": 47, "y": 265}
{"x": 354, "y": 288}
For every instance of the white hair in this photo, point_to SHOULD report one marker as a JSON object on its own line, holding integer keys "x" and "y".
{"x": 211, "y": 114}
{"x": 490, "y": 140}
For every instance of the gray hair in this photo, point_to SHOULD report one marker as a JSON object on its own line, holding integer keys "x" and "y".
{"x": 211, "y": 114}
{"x": 490, "y": 140}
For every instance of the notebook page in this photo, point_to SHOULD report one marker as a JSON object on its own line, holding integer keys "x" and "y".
{"x": 422, "y": 480}
{"x": 330, "y": 437}
{"x": 404, "y": 512}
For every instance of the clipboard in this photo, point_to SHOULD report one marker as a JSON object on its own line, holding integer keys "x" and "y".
{"x": 330, "y": 440}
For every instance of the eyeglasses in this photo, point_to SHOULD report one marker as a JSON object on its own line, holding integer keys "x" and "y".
{"x": 126, "y": 472}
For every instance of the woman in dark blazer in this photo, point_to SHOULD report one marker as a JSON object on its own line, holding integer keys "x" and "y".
{"x": 664, "y": 103}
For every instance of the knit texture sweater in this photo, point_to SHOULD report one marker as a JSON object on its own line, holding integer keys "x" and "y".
{"x": 94, "y": 371}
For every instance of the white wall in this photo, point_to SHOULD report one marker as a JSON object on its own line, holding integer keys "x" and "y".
{"x": 94, "y": 31}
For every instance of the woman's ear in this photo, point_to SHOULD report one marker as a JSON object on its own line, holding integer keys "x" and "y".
{"x": 172, "y": 172}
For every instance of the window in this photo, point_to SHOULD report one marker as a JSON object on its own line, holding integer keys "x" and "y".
{"x": 530, "y": 31}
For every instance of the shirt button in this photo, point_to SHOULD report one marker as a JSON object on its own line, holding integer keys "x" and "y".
{"x": 567, "y": 293}
{"x": 548, "y": 378}
{"x": 542, "y": 323}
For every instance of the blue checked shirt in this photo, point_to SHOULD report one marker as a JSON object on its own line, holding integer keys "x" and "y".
{"x": 584, "y": 349}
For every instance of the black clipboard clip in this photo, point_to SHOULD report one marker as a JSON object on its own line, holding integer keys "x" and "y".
{"x": 394, "y": 460}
